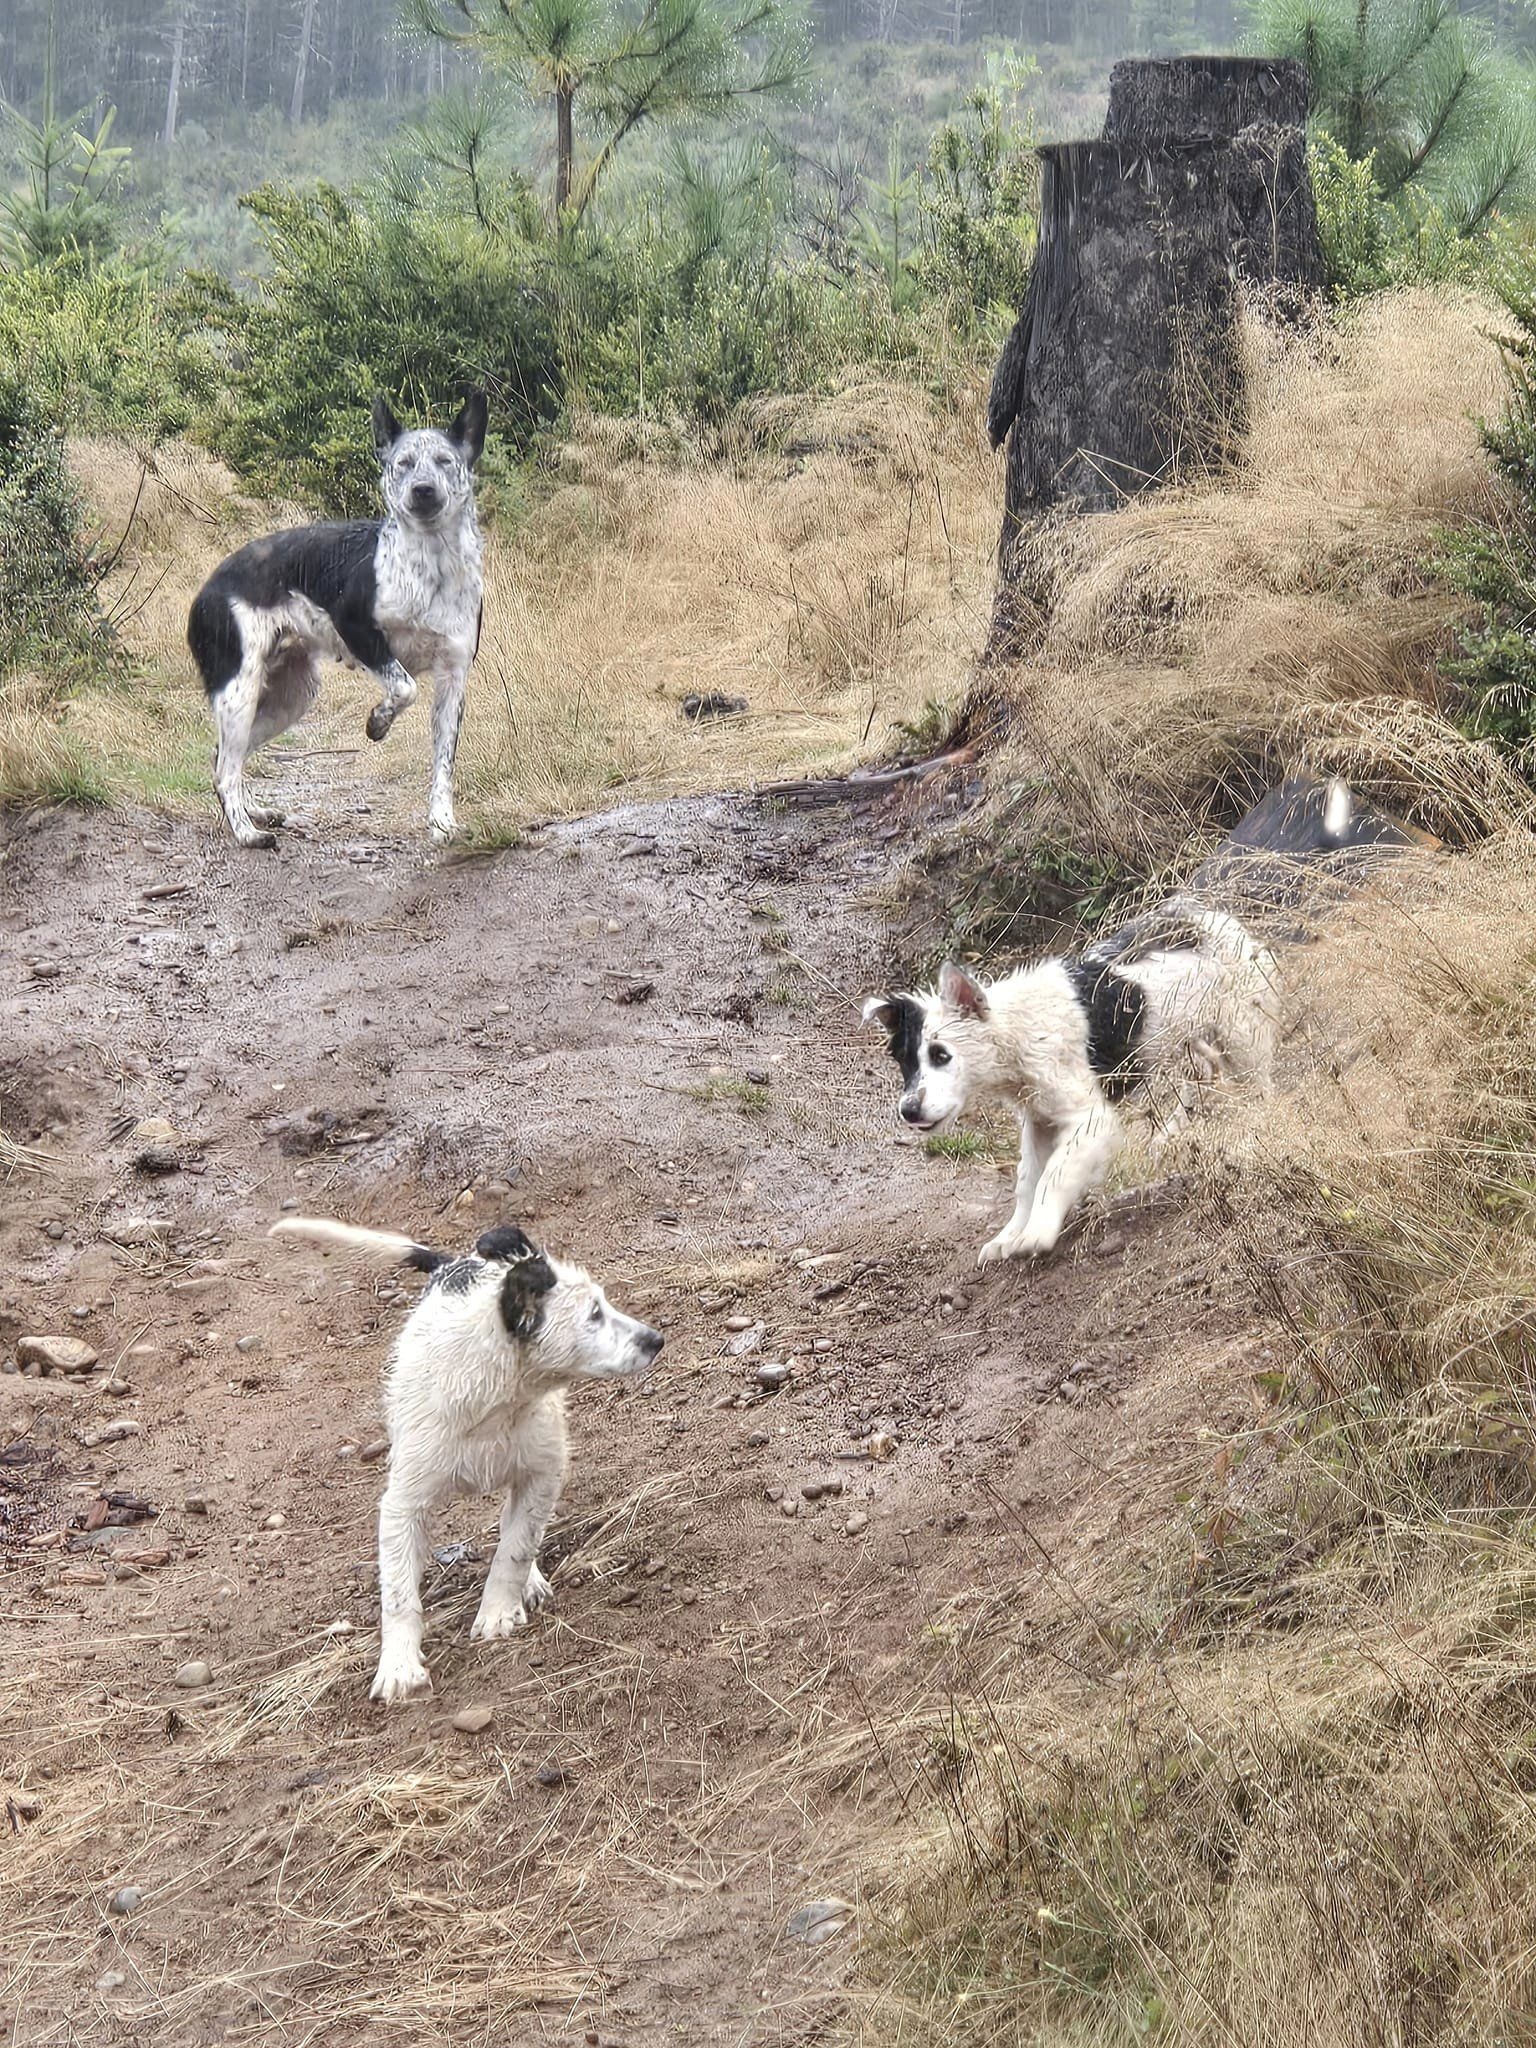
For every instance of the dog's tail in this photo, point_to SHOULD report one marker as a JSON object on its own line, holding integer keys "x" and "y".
{"x": 388, "y": 1245}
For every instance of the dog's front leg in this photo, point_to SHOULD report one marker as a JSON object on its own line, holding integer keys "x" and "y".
{"x": 402, "y": 1558}
{"x": 1079, "y": 1162}
{"x": 1031, "y": 1159}
{"x": 447, "y": 717}
{"x": 514, "y": 1582}
{"x": 399, "y": 693}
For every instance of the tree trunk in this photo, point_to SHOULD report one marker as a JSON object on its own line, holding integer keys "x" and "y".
{"x": 1123, "y": 372}
{"x": 296, "y": 104}
{"x": 565, "y": 148}
{"x": 173, "y": 90}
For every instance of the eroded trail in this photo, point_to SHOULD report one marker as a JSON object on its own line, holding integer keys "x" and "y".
{"x": 639, "y": 1037}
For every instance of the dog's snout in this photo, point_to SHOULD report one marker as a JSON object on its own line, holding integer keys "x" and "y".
{"x": 424, "y": 497}
{"x": 910, "y": 1110}
{"x": 650, "y": 1341}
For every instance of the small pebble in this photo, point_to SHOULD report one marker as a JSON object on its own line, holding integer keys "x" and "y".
{"x": 128, "y": 1900}
{"x": 371, "y": 1453}
{"x": 856, "y": 1523}
{"x": 473, "y": 1720}
{"x": 276, "y": 1520}
{"x": 191, "y": 1676}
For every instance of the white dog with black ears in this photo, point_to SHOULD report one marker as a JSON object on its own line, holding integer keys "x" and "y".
{"x": 1185, "y": 996}
{"x": 400, "y": 596}
{"x": 475, "y": 1403}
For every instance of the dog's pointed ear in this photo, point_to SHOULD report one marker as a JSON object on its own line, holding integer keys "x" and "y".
{"x": 386, "y": 428}
{"x": 529, "y": 1278}
{"x": 468, "y": 430}
{"x": 959, "y": 991}
{"x": 880, "y": 1010}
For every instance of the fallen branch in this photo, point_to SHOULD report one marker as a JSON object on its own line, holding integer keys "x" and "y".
{"x": 865, "y": 783}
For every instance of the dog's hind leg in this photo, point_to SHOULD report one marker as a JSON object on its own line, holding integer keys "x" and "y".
{"x": 292, "y": 685}
{"x": 402, "y": 1559}
{"x": 447, "y": 717}
{"x": 235, "y": 710}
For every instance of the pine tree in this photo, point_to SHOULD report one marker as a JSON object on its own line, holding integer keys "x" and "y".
{"x": 1421, "y": 92}
{"x": 612, "y": 67}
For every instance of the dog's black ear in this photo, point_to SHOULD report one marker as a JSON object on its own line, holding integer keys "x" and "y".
{"x": 529, "y": 1278}
{"x": 961, "y": 992}
{"x": 386, "y": 428}
{"x": 523, "y": 1292}
{"x": 468, "y": 430}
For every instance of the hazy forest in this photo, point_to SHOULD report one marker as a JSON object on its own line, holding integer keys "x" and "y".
{"x": 1133, "y": 1643}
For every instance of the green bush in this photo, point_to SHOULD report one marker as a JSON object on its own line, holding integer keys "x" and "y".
{"x": 49, "y": 616}
{"x": 106, "y": 347}
{"x": 1372, "y": 243}
{"x": 393, "y": 290}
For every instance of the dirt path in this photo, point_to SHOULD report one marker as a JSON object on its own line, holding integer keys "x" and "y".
{"x": 638, "y": 1036}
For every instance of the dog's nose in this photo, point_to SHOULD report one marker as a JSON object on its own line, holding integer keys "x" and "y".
{"x": 909, "y": 1112}
{"x": 650, "y": 1341}
{"x": 423, "y": 498}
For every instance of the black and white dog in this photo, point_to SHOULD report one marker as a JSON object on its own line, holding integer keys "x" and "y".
{"x": 1181, "y": 1001}
{"x": 475, "y": 1398}
{"x": 400, "y": 596}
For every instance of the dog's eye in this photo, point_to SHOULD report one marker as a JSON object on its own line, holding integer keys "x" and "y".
{"x": 595, "y": 1312}
{"x": 939, "y": 1056}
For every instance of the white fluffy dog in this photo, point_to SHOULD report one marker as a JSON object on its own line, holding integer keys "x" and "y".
{"x": 475, "y": 1403}
{"x": 1185, "y": 995}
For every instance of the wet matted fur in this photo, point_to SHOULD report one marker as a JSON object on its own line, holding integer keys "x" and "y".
{"x": 399, "y": 596}
{"x": 475, "y": 1403}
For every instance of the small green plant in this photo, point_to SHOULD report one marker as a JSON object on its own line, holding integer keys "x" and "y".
{"x": 1495, "y": 663}
{"x": 958, "y": 1146}
{"x": 749, "y": 1097}
{"x": 1372, "y": 243}
{"x": 977, "y": 204}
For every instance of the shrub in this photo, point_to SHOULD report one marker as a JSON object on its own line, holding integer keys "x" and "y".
{"x": 393, "y": 290}
{"x": 1371, "y": 243}
{"x": 106, "y": 347}
{"x": 48, "y": 610}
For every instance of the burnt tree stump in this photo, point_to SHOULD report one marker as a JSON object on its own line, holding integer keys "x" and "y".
{"x": 1123, "y": 371}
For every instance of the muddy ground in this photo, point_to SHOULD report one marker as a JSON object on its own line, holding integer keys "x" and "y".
{"x": 639, "y": 1037}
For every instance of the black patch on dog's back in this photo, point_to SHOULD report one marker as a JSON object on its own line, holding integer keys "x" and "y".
{"x": 1114, "y": 1008}
{"x": 423, "y": 1259}
{"x": 331, "y": 564}
{"x": 457, "y": 1276}
{"x": 906, "y": 1034}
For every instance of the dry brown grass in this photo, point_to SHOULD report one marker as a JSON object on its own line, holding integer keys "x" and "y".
{"x": 1278, "y": 1789}
{"x": 1197, "y": 642}
{"x": 833, "y": 569}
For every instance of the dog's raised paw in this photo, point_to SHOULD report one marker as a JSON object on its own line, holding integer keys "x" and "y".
{"x": 379, "y": 722}
{"x": 502, "y": 1622}
{"x": 400, "y": 1678}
